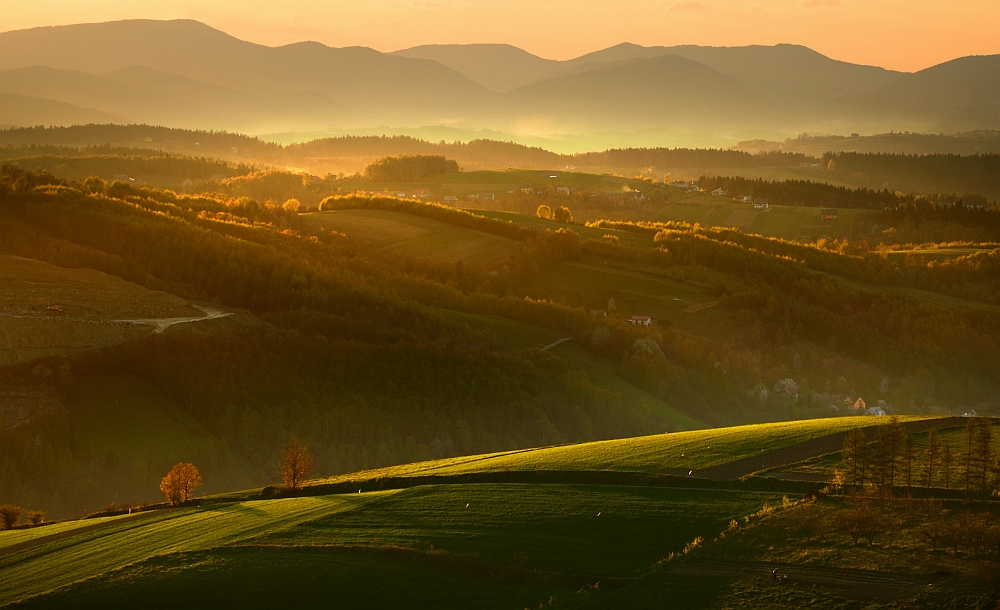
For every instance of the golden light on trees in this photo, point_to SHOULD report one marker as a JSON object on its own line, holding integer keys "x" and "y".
{"x": 296, "y": 464}
{"x": 180, "y": 483}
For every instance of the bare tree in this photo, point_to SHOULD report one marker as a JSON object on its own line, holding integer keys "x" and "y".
{"x": 933, "y": 529}
{"x": 853, "y": 455}
{"x": 932, "y": 453}
{"x": 946, "y": 460}
{"x": 296, "y": 464}
{"x": 906, "y": 453}
{"x": 969, "y": 439}
{"x": 983, "y": 458}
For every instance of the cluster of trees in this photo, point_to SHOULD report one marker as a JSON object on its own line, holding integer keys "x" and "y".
{"x": 872, "y": 515}
{"x": 409, "y": 168}
{"x": 560, "y": 214}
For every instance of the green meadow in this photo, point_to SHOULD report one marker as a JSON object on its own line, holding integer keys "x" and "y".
{"x": 695, "y": 449}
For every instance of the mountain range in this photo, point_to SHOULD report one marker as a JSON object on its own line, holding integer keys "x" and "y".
{"x": 186, "y": 74}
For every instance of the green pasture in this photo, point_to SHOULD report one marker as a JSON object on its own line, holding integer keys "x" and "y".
{"x": 651, "y": 454}
{"x": 408, "y": 234}
{"x": 12, "y": 537}
{"x": 788, "y": 222}
{"x": 591, "y": 532}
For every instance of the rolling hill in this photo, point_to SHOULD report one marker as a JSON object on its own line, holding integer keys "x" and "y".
{"x": 489, "y": 541}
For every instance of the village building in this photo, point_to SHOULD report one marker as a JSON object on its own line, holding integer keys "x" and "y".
{"x": 828, "y": 214}
{"x": 748, "y": 199}
{"x": 876, "y": 412}
{"x": 489, "y": 196}
{"x": 644, "y": 320}
{"x": 761, "y": 204}
{"x": 527, "y": 189}
{"x": 719, "y": 193}
{"x": 421, "y": 193}
{"x": 562, "y": 190}
{"x": 450, "y": 199}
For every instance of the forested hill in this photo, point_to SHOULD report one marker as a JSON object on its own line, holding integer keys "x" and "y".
{"x": 376, "y": 357}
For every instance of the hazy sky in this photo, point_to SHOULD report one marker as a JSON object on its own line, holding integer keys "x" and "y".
{"x": 898, "y": 34}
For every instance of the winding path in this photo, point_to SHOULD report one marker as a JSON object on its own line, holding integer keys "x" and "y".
{"x": 162, "y": 324}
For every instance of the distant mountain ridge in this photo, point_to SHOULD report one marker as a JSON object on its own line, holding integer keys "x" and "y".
{"x": 186, "y": 74}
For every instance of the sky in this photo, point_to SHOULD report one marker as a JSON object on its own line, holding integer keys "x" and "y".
{"x": 898, "y": 34}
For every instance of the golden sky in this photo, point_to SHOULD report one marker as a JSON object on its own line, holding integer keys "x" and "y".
{"x": 898, "y": 34}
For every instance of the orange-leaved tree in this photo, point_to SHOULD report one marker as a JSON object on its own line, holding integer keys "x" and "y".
{"x": 180, "y": 483}
{"x": 296, "y": 464}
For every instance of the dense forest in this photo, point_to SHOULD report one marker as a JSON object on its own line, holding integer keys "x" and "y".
{"x": 979, "y": 174}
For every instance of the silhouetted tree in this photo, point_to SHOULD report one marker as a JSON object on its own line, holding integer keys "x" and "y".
{"x": 296, "y": 464}
{"x": 544, "y": 211}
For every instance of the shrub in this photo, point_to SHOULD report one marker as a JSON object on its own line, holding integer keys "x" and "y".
{"x": 36, "y": 517}
{"x": 9, "y": 515}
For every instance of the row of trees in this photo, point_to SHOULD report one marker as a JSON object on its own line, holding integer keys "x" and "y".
{"x": 891, "y": 459}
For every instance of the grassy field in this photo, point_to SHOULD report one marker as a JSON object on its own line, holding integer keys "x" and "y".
{"x": 675, "y": 451}
{"x": 637, "y": 290}
{"x": 788, "y": 222}
{"x": 406, "y": 234}
{"x": 501, "y": 545}
{"x": 589, "y": 533}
